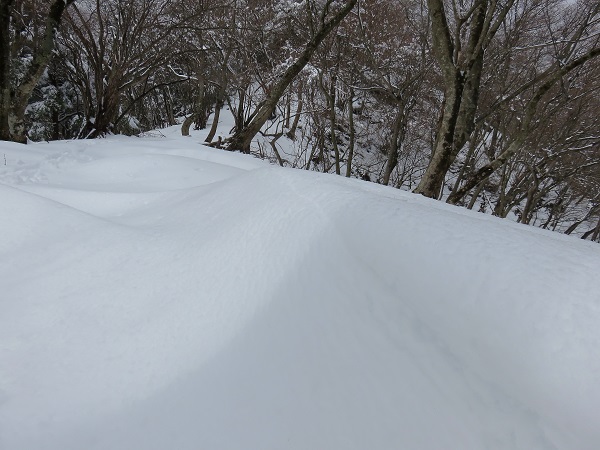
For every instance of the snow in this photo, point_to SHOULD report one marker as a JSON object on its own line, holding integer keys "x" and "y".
{"x": 156, "y": 293}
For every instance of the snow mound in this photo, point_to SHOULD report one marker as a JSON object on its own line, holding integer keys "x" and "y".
{"x": 160, "y": 294}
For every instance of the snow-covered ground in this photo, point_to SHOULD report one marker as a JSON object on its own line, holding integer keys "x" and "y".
{"x": 158, "y": 294}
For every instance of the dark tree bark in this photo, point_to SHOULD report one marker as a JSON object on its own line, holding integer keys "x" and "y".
{"x": 215, "y": 123}
{"x": 221, "y": 95}
{"x": 198, "y": 116}
{"x": 352, "y": 136}
{"x": 292, "y": 131}
{"x": 330, "y": 95}
{"x": 5, "y": 56}
{"x": 396, "y": 139}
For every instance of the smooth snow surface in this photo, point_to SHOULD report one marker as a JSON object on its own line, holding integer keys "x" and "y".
{"x": 158, "y": 294}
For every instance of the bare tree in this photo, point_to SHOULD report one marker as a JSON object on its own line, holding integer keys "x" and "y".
{"x": 569, "y": 57}
{"x": 460, "y": 47}
{"x": 326, "y": 23}
{"x": 15, "y": 91}
{"x": 117, "y": 54}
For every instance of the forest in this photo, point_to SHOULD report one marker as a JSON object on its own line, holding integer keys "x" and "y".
{"x": 492, "y": 105}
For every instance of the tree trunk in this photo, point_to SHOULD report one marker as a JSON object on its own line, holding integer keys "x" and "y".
{"x": 395, "y": 142}
{"x": 351, "y": 144}
{"x": 292, "y": 132}
{"x": 596, "y": 235}
{"x": 198, "y": 115}
{"x": 462, "y": 70}
{"x": 239, "y": 112}
{"x": 530, "y": 203}
{"x": 168, "y": 103}
{"x": 502, "y": 194}
{"x": 218, "y": 107}
{"x": 330, "y": 95}
{"x": 475, "y": 196}
{"x": 288, "y": 111}
{"x": 5, "y": 57}
{"x": 106, "y": 114}
{"x": 441, "y": 159}
{"x": 187, "y": 123}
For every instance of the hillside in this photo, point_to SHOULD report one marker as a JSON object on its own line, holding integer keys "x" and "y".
{"x": 158, "y": 294}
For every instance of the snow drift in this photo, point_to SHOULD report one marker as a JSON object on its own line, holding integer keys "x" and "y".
{"x": 159, "y": 294}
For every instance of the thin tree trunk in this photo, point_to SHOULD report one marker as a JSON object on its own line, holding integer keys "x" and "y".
{"x": 331, "y": 95}
{"x": 467, "y": 163}
{"x": 596, "y": 235}
{"x": 292, "y": 132}
{"x": 218, "y": 107}
{"x": 594, "y": 232}
{"x": 198, "y": 114}
{"x": 288, "y": 111}
{"x": 475, "y": 196}
{"x": 351, "y": 144}
{"x": 394, "y": 144}
{"x": 239, "y": 112}
{"x": 187, "y": 123}
{"x": 527, "y": 213}
{"x": 273, "y": 144}
{"x": 501, "y": 203}
{"x": 168, "y": 108}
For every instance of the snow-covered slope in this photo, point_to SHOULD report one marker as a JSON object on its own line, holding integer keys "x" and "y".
{"x": 157, "y": 294}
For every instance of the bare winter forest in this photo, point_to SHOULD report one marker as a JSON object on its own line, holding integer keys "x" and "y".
{"x": 488, "y": 104}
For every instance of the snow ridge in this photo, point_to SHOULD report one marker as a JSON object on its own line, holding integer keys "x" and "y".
{"x": 158, "y": 294}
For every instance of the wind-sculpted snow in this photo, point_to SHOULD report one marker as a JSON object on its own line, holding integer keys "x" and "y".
{"x": 156, "y": 294}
